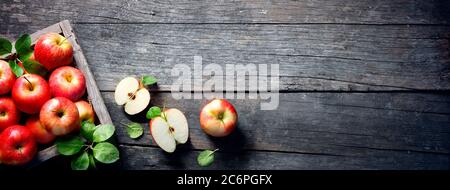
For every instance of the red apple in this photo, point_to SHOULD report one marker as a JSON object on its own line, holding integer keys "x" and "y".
{"x": 60, "y": 116}
{"x": 218, "y": 118}
{"x": 7, "y": 78}
{"x": 53, "y": 50}
{"x": 67, "y": 82}
{"x": 86, "y": 111}
{"x": 9, "y": 114}
{"x": 30, "y": 92}
{"x": 40, "y": 133}
{"x": 17, "y": 145}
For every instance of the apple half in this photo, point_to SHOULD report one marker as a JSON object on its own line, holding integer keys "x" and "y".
{"x": 169, "y": 129}
{"x": 131, "y": 93}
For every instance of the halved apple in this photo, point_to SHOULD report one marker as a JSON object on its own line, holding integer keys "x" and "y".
{"x": 133, "y": 94}
{"x": 169, "y": 129}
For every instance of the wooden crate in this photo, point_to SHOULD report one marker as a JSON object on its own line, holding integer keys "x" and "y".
{"x": 93, "y": 93}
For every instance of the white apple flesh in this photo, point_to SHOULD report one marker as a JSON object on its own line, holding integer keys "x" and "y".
{"x": 138, "y": 103}
{"x": 133, "y": 95}
{"x": 169, "y": 129}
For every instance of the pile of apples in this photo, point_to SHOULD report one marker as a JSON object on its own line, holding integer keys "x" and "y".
{"x": 35, "y": 109}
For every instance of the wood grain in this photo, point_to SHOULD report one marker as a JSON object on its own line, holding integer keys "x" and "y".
{"x": 38, "y": 14}
{"x": 310, "y": 57}
{"x": 340, "y": 124}
{"x": 93, "y": 91}
{"x": 376, "y": 47}
{"x": 151, "y": 158}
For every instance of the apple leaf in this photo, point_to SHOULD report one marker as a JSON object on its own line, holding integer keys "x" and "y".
{"x": 23, "y": 45}
{"x": 148, "y": 80}
{"x": 103, "y": 132}
{"x": 87, "y": 130}
{"x": 80, "y": 162}
{"x": 153, "y": 112}
{"x": 18, "y": 71}
{"x": 206, "y": 158}
{"x": 5, "y": 46}
{"x": 26, "y": 55}
{"x": 92, "y": 161}
{"x": 134, "y": 130}
{"x": 106, "y": 153}
{"x": 69, "y": 146}
{"x": 34, "y": 67}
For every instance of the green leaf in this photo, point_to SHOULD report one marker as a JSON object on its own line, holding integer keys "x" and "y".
{"x": 69, "y": 146}
{"x": 26, "y": 55}
{"x": 106, "y": 153}
{"x": 81, "y": 162}
{"x": 92, "y": 161}
{"x": 18, "y": 71}
{"x": 103, "y": 132}
{"x": 153, "y": 112}
{"x": 134, "y": 130}
{"x": 23, "y": 45}
{"x": 34, "y": 67}
{"x": 148, "y": 80}
{"x": 87, "y": 130}
{"x": 206, "y": 158}
{"x": 5, "y": 46}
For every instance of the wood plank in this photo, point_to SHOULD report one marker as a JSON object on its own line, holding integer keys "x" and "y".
{"x": 39, "y": 14}
{"x": 310, "y": 57}
{"x": 342, "y": 124}
{"x": 93, "y": 92}
{"x": 151, "y": 158}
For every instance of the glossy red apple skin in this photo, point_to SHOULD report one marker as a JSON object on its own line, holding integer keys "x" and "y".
{"x": 86, "y": 111}
{"x": 218, "y": 118}
{"x": 9, "y": 114}
{"x": 60, "y": 116}
{"x": 67, "y": 82}
{"x": 30, "y": 98}
{"x": 53, "y": 50}
{"x": 7, "y": 78}
{"x": 40, "y": 133}
{"x": 17, "y": 146}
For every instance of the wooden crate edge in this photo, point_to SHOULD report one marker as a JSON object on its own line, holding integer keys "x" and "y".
{"x": 93, "y": 92}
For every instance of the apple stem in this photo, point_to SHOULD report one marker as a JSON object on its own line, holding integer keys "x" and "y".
{"x": 214, "y": 151}
{"x": 141, "y": 84}
{"x": 11, "y": 56}
{"x": 65, "y": 38}
{"x": 30, "y": 85}
{"x": 163, "y": 114}
{"x": 88, "y": 147}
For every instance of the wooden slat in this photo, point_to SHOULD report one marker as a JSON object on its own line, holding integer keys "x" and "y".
{"x": 342, "y": 124}
{"x": 38, "y": 14}
{"x": 311, "y": 57}
{"x": 151, "y": 158}
{"x": 93, "y": 91}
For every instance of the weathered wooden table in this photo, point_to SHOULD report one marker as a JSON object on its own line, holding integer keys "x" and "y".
{"x": 364, "y": 84}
